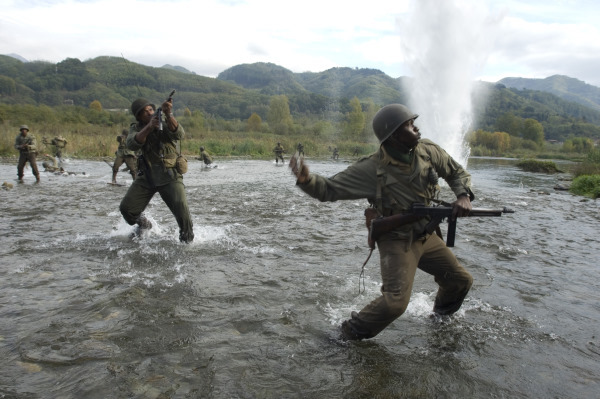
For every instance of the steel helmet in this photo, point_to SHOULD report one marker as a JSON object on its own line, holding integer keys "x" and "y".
{"x": 390, "y": 118}
{"x": 201, "y": 148}
{"x": 24, "y": 127}
{"x": 139, "y": 105}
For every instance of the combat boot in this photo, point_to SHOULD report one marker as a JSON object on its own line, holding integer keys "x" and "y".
{"x": 143, "y": 224}
{"x": 349, "y": 333}
{"x": 186, "y": 237}
{"x": 37, "y": 179}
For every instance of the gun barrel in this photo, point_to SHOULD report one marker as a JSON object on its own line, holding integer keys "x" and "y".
{"x": 489, "y": 212}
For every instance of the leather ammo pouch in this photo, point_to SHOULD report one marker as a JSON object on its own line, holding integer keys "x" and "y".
{"x": 177, "y": 161}
{"x": 169, "y": 160}
{"x": 181, "y": 164}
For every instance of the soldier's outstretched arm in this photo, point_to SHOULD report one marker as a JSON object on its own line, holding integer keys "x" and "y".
{"x": 299, "y": 169}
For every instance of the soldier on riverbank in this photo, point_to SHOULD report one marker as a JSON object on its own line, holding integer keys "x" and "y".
{"x": 124, "y": 155}
{"x": 27, "y": 146}
{"x": 158, "y": 173}
{"x": 402, "y": 172}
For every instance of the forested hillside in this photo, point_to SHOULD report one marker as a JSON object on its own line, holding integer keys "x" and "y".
{"x": 248, "y": 89}
{"x": 567, "y": 88}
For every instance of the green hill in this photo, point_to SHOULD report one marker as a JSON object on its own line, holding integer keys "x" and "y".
{"x": 563, "y": 105}
{"x": 567, "y": 88}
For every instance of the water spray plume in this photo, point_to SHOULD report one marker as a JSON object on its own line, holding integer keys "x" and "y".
{"x": 445, "y": 45}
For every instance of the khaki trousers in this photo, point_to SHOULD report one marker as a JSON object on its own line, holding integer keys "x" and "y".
{"x": 399, "y": 263}
{"x": 131, "y": 163}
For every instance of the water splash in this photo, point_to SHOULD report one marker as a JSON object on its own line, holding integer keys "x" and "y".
{"x": 445, "y": 45}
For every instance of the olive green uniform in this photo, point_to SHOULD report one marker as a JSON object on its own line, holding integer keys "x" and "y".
{"x": 278, "y": 150}
{"x": 124, "y": 155}
{"x": 392, "y": 186}
{"x": 158, "y": 174}
{"x": 27, "y": 154}
{"x": 205, "y": 157}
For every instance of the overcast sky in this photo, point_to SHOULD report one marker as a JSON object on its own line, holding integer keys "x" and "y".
{"x": 507, "y": 38}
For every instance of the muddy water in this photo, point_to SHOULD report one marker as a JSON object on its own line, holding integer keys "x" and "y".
{"x": 250, "y": 309}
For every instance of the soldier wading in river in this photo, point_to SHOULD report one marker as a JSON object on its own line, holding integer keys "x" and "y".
{"x": 27, "y": 146}
{"x": 403, "y": 171}
{"x": 157, "y": 171}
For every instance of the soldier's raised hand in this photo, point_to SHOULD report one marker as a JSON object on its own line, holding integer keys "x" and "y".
{"x": 299, "y": 168}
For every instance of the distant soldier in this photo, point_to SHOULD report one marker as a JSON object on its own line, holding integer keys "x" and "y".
{"x": 123, "y": 154}
{"x": 204, "y": 156}
{"x": 278, "y": 150}
{"x": 50, "y": 164}
{"x": 356, "y": 151}
{"x": 336, "y": 153}
{"x": 27, "y": 147}
{"x": 59, "y": 143}
{"x": 300, "y": 149}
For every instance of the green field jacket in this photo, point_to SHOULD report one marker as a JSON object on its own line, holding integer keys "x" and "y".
{"x": 159, "y": 152}
{"x": 392, "y": 186}
{"x": 29, "y": 141}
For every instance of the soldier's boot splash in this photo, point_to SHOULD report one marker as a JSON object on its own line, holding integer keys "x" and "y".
{"x": 37, "y": 178}
{"x": 114, "y": 178}
{"x": 143, "y": 224}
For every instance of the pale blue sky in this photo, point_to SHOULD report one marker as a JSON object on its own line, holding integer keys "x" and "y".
{"x": 531, "y": 38}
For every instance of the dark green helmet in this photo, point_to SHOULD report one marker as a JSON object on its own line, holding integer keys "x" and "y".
{"x": 139, "y": 105}
{"x": 24, "y": 127}
{"x": 390, "y": 118}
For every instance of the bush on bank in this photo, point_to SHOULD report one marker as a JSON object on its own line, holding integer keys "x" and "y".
{"x": 533, "y": 165}
{"x": 586, "y": 185}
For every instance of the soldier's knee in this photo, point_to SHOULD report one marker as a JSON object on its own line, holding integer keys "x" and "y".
{"x": 126, "y": 212}
{"x": 396, "y": 304}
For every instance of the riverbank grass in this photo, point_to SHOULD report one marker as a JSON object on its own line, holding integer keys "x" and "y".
{"x": 533, "y": 165}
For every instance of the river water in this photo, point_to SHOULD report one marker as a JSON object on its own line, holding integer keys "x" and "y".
{"x": 250, "y": 309}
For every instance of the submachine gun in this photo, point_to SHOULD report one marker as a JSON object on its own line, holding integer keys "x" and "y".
{"x": 159, "y": 112}
{"x": 382, "y": 225}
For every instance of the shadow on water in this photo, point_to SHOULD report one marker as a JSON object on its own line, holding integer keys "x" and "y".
{"x": 251, "y": 308}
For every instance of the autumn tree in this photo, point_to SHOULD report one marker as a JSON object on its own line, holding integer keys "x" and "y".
{"x": 254, "y": 123}
{"x": 533, "y": 130}
{"x": 370, "y": 111}
{"x": 355, "y": 120}
{"x": 95, "y": 105}
{"x": 279, "y": 116}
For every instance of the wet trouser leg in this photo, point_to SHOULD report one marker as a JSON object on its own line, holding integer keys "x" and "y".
{"x": 21, "y": 164}
{"x": 131, "y": 163}
{"x": 33, "y": 163}
{"x": 116, "y": 165}
{"x": 136, "y": 200}
{"x": 25, "y": 157}
{"x": 453, "y": 280}
{"x": 174, "y": 196}
{"x": 398, "y": 268}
